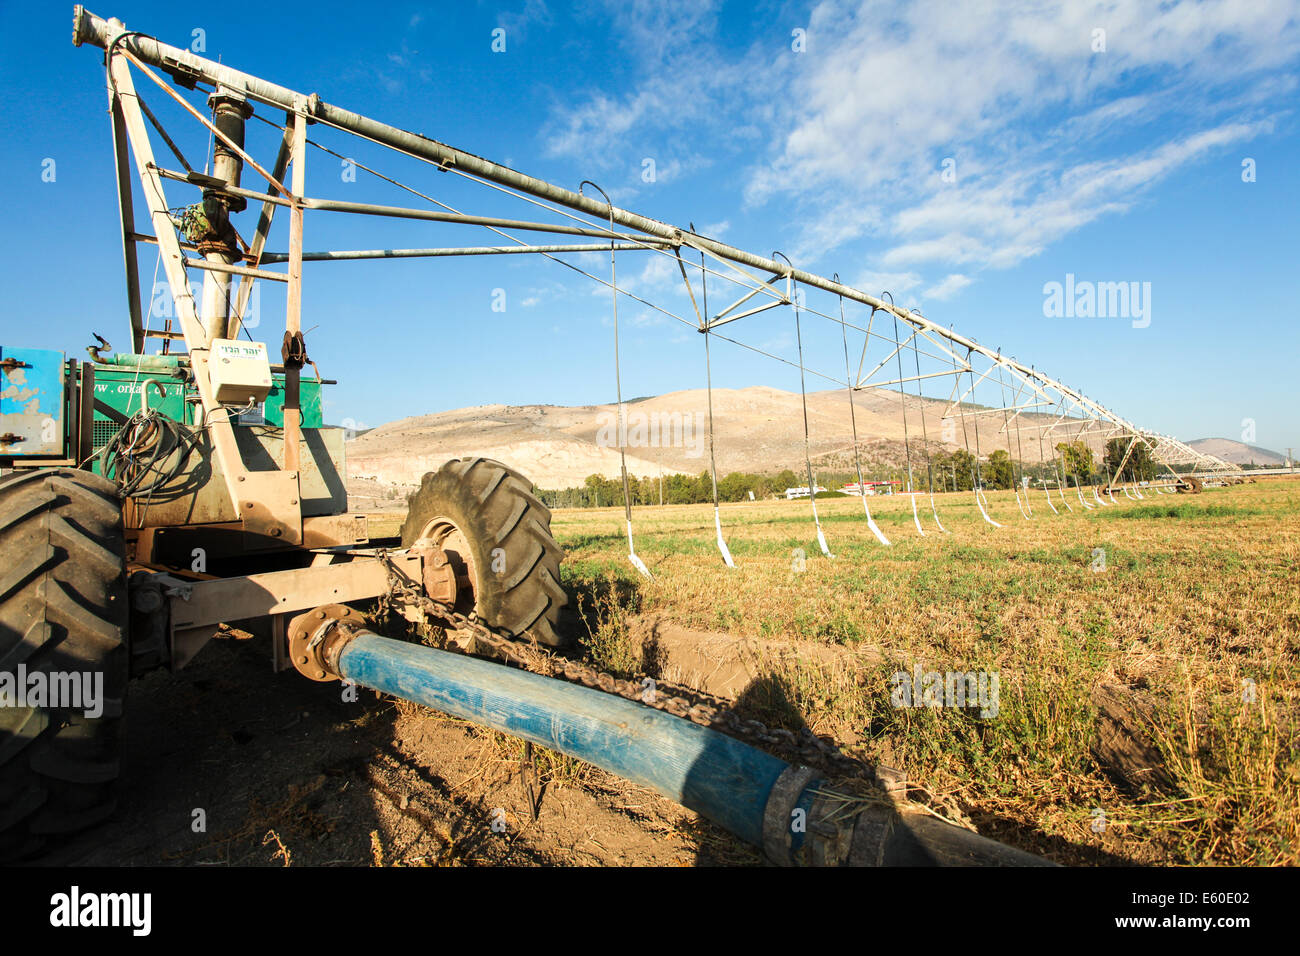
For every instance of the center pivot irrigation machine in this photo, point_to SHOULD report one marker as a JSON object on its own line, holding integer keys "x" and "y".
{"x": 150, "y": 497}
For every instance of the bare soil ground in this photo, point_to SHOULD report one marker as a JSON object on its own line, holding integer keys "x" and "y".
{"x": 287, "y": 773}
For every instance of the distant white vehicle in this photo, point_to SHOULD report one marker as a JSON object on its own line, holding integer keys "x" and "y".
{"x": 802, "y": 492}
{"x": 867, "y": 488}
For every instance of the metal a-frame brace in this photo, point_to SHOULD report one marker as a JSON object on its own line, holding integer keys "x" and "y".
{"x": 267, "y": 502}
{"x": 759, "y": 275}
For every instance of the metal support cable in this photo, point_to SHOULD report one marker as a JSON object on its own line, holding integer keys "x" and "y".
{"x": 708, "y": 379}
{"x": 803, "y": 395}
{"x": 618, "y": 394}
{"x": 925, "y": 441}
{"x": 1006, "y": 428}
{"x": 907, "y": 447}
{"x": 853, "y": 422}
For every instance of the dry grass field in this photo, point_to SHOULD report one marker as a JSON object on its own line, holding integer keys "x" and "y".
{"x": 1166, "y": 628}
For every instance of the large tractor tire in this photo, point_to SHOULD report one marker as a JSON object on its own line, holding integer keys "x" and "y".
{"x": 63, "y": 611}
{"x": 497, "y": 537}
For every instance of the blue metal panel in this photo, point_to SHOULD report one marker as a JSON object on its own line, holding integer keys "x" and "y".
{"x": 32, "y": 403}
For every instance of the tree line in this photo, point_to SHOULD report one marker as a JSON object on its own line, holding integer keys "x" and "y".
{"x": 958, "y": 470}
{"x": 673, "y": 489}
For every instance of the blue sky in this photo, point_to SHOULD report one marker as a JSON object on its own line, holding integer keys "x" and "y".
{"x": 961, "y": 156}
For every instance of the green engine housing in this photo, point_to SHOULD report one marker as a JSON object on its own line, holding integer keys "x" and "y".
{"x": 56, "y": 412}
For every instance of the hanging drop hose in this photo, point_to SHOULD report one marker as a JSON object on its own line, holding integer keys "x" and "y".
{"x": 1079, "y": 491}
{"x": 708, "y": 379}
{"x": 1006, "y": 429}
{"x": 925, "y": 435}
{"x": 793, "y": 294}
{"x": 1098, "y": 497}
{"x": 975, "y": 461}
{"x": 907, "y": 447}
{"x": 1020, "y": 448}
{"x": 1058, "y": 469}
{"x": 618, "y": 393}
{"x": 1086, "y": 506}
{"x": 1042, "y": 465}
{"x": 853, "y": 418}
{"x": 980, "y": 500}
{"x": 793, "y": 813}
{"x": 1060, "y": 479}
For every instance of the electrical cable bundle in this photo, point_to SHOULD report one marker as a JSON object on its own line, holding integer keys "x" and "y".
{"x": 147, "y": 453}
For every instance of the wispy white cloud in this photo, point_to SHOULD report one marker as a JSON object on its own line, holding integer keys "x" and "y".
{"x": 656, "y": 279}
{"x": 686, "y": 83}
{"x": 518, "y": 22}
{"x": 947, "y": 287}
{"x": 977, "y": 128}
{"x": 998, "y": 222}
{"x": 1046, "y": 123}
{"x": 896, "y": 283}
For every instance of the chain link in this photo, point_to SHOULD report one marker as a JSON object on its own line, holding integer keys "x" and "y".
{"x": 699, "y": 707}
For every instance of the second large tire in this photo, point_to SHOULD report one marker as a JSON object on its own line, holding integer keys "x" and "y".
{"x": 63, "y": 611}
{"x": 513, "y": 563}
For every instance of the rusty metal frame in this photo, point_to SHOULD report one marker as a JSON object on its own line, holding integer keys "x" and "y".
{"x": 196, "y": 608}
{"x": 267, "y": 502}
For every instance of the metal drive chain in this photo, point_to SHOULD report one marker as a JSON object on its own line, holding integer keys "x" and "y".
{"x": 699, "y": 707}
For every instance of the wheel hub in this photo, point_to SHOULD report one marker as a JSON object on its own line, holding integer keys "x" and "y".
{"x": 450, "y": 575}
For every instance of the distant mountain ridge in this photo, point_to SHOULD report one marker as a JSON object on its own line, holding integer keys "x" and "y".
{"x": 756, "y": 429}
{"x": 1237, "y": 452}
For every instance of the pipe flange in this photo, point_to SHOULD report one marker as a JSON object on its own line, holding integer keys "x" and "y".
{"x": 827, "y": 842}
{"x": 781, "y": 800}
{"x": 317, "y": 638}
{"x": 872, "y": 831}
{"x": 232, "y": 100}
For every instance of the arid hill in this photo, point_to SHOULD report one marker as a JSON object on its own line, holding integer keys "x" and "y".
{"x": 1239, "y": 453}
{"x": 756, "y": 429}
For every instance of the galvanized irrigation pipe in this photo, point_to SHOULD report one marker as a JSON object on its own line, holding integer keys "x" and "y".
{"x": 340, "y": 255}
{"x": 788, "y": 811}
{"x": 187, "y": 68}
{"x": 182, "y": 64}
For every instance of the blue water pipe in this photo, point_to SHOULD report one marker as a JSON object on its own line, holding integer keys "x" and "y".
{"x": 791, "y": 812}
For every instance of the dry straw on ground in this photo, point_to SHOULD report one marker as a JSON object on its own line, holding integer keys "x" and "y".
{"x": 1196, "y": 617}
